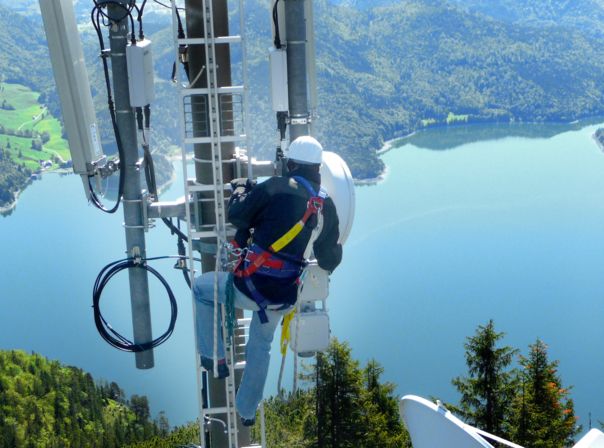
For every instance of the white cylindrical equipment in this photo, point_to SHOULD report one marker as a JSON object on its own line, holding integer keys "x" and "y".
{"x": 339, "y": 184}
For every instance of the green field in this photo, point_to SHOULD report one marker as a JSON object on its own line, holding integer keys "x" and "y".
{"x": 21, "y": 112}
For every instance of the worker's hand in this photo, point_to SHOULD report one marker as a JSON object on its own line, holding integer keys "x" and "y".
{"x": 242, "y": 185}
{"x": 243, "y": 182}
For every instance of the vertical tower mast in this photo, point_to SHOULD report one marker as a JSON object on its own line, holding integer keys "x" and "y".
{"x": 134, "y": 223}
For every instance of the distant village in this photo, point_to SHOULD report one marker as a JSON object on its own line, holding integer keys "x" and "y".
{"x": 46, "y": 165}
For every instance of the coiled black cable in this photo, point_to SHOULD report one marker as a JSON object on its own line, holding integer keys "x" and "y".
{"x": 111, "y": 336}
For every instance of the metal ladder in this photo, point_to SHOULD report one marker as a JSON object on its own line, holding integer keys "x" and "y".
{"x": 218, "y": 129}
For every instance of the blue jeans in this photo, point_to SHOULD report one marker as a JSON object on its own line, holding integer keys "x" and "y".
{"x": 257, "y": 352}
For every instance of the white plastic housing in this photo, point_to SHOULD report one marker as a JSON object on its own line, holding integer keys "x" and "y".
{"x": 139, "y": 58}
{"x": 315, "y": 284}
{"x": 339, "y": 184}
{"x": 72, "y": 83}
{"x": 309, "y": 332}
{"x": 278, "y": 79}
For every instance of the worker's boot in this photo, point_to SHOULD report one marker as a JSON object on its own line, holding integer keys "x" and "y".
{"x": 208, "y": 364}
{"x": 248, "y": 421}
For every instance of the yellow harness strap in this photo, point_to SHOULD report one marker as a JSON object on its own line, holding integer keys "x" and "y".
{"x": 288, "y": 237}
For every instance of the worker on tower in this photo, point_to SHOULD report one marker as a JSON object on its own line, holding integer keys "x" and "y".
{"x": 277, "y": 222}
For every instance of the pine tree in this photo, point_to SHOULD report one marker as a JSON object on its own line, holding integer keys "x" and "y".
{"x": 487, "y": 392}
{"x": 338, "y": 387}
{"x": 543, "y": 414}
{"x": 381, "y": 420}
{"x": 353, "y": 407}
{"x": 291, "y": 420}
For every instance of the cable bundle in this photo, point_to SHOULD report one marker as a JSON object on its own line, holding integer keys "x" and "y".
{"x": 110, "y": 335}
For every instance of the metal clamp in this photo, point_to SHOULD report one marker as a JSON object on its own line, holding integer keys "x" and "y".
{"x": 103, "y": 167}
{"x": 144, "y": 202}
{"x": 136, "y": 255}
{"x": 299, "y": 120}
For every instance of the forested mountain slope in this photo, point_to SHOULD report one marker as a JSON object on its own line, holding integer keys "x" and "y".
{"x": 586, "y": 15}
{"x": 23, "y": 53}
{"x": 46, "y": 404}
{"x": 389, "y": 70}
{"x": 383, "y": 71}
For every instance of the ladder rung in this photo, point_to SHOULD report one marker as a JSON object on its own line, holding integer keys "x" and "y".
{"x": 204, "y": 91}
{"x": 223, "y": 139}
{"x": 205, "y": 187}
{"x": 240, "y": 365}
{"x": 204, "y": 234}
{"x": 217, "y": 40}
{"x": 216, "y": 410}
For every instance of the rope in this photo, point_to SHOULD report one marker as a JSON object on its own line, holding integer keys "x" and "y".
{"x": 229, "y": 308}
{"x": 228, "y": 318}
{"x": 215, "y": 354}
{"x": 295, "y": 385}
{"x": 279, "y": 388}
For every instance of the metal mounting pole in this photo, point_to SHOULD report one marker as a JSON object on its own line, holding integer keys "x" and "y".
{"x": 132, "y": 196}
{"x": 296, "y": 68}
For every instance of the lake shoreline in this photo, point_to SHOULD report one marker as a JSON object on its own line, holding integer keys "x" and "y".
{"x": 390, "y": 145}
{"x": 5, "y": 210}
{"x": 599, "y": 142}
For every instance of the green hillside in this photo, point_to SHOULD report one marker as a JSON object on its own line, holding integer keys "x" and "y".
{"x": 45, "y": 404}
{"x": 28, "y": 131}
{"x": 30, "y": 140}
{"x": 383, "y": 72}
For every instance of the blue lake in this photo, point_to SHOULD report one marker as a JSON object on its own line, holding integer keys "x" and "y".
{"x": 473, "y": 223}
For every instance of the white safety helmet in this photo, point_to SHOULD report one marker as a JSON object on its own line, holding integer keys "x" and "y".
{"x": 305, "y": 150}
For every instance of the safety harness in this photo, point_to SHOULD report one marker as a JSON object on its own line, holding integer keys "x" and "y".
{"x": 272, "y": 262}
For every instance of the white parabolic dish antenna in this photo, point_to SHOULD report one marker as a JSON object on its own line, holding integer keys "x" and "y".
{"x": 337, "y": 181}
{"x": 432, "y": 426}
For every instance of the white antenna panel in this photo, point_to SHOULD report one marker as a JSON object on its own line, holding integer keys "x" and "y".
{"x": 72, "y": 85}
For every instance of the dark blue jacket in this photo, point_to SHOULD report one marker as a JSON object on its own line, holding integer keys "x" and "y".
{"x": 265, "y": 212}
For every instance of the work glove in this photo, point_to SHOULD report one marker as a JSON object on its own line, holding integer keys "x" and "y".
{"x": 242, "y": 185}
